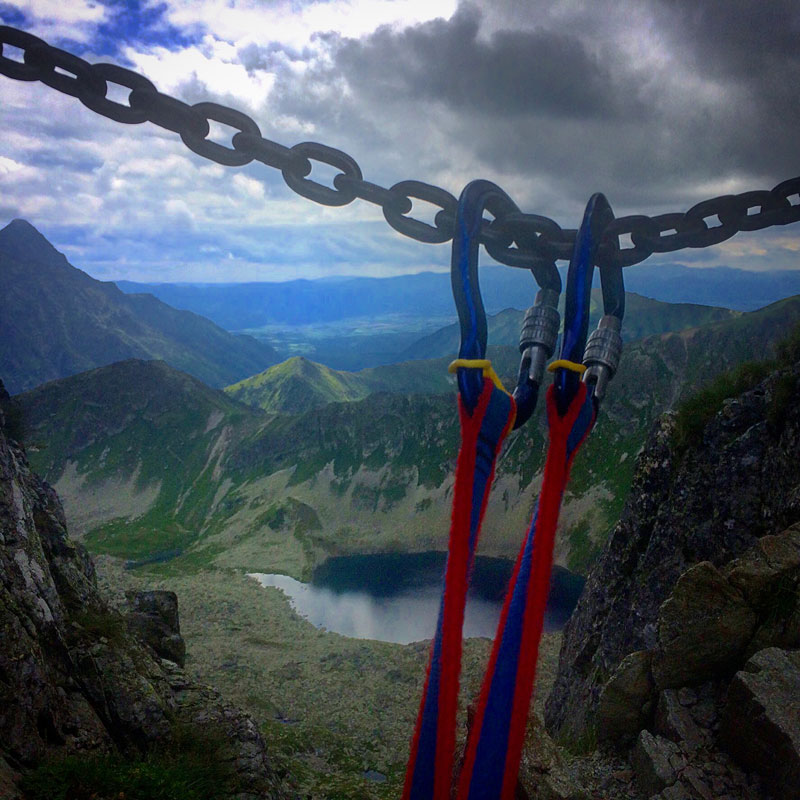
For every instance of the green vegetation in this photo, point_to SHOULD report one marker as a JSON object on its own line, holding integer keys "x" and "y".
{"x": 152, "y": 463}
{"x": 700, "y": 408}
{"x": 582, "y": 550}
{"x": 299, "y": 385}
{"x": 294, "y": 747}
{"x": 696, "y": 412}
{"x": 194, "y": 767}
{"x": 788, "y": 349}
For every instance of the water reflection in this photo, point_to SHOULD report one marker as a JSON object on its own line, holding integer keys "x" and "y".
{"x": 395, "y": 598}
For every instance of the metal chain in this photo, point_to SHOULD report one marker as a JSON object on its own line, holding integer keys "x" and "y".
{"x": 516, "y": 239}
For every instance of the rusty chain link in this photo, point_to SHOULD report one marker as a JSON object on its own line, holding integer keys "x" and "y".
{"x": 516, "y": 239}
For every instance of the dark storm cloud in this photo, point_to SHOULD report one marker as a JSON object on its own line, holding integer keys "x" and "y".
{"x": 511, "y": 73}
{"x": 711, "y": 95}
{"x": 750, "y": 50}
{"x": 736, "y": 39}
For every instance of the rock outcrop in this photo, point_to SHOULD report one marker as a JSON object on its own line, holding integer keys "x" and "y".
{"x": 73, "y": 678}
{"x": 713, "y": 709}
{"x": 710, "y": 504}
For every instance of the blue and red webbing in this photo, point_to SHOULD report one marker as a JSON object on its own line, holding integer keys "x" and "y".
{"x": 497, "y": 734}
{"x": 486, "y": 412}
{"x": 429, "y": 775}
{"x": 494, "y": 746}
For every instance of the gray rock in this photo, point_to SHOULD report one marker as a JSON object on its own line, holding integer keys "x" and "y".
{"x": 703, "y": 629}
{"x": 772, "y": 559}
{"x": 677, "y": 791}
{"x": 713, "y": 503}
{"x": 760, "y": 724}
{"x": 656, "y": 762}
{"x": 626, "y": 701}
{"x": 700, "y": 783}
{"x": 674, "y": 721}
{"x": 543, "y": 775}
{"x": 73, "y": 678}
{"x": 153, "y": 618}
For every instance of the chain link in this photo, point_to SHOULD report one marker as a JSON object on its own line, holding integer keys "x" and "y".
{"x": 521, "y": 240}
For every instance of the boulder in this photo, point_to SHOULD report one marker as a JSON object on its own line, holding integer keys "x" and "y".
{"x": 703, "y": 629}
{"x": 760, "y": 724}
{"x": 674, "y": 720}
{"x": 626, "y": 701}
{"x": 153, "y": 618}
{"x": 772, "y": 559}
{"x": 656, "y": 762}
{"x": 542, "y": 773}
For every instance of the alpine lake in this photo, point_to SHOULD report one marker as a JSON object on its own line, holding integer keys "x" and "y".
{"x": 395, "y": 597}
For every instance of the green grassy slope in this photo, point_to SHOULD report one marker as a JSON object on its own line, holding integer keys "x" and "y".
{"x": 240, "y": 488}
{"x": 136, "y": 448}
{"x": 297, "y": 385}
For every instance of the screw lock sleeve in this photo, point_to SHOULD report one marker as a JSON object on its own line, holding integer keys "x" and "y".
{"x": 603, "y": 353}
{"x": 539, "y": 334}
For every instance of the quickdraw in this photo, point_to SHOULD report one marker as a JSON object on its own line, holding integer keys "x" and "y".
{"x": 487, "y": 413}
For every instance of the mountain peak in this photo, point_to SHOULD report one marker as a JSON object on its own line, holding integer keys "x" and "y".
{"x": 20, "y": 240}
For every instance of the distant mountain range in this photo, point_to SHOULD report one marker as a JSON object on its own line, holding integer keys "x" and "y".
{"x": 56, "y": 321}
{"x": 300, "y": 302}
{"x": 643, "y": 317}
{"x": 152, "y": 462}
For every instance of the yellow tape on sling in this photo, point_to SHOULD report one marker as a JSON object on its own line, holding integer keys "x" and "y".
{"x": 478, "y": 363}
{"x": 563, "y": 363}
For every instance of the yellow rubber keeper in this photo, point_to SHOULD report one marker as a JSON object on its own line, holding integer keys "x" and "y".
{"x": 478, "y": 363}
{"x": 563, "y": 363}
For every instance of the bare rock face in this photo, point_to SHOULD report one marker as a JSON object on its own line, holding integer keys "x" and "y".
{"x": 703, "y": 628}
{"x": 761, "y": 720}
{"x": 723, "y": 721}
{"x": 153, "y": 618}
{"x": 711, "y": 504}
{"x": 72, "y": 678}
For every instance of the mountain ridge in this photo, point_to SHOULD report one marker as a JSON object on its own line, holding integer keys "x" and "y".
{"x": 55, "y": 320}
{"x": 254, "y": 304}
{"x": 283, "y": 491}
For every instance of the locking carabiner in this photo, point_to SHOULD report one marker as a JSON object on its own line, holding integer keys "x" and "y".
{"x": 570, "y": 368}
{"x": 478, "y": 196}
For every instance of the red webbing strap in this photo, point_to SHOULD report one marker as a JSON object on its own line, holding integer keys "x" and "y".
{"x": 429, "y": 774}
{"x": 494, "y": 747}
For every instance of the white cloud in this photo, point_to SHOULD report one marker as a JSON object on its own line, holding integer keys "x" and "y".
{"x": 295, "y": 24}
{"x": 75, "y": 19}
{"x": 214, "y": 64}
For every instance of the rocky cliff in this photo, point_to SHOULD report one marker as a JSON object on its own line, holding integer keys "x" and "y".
{"x": 685, "y": 639}
{"x": 79, "y": 678}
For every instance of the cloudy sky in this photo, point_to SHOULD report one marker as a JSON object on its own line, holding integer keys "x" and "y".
{"x": 657, "y": 103}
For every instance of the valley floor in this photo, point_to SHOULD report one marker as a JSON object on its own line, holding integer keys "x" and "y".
{"x": 338, "y": 712}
